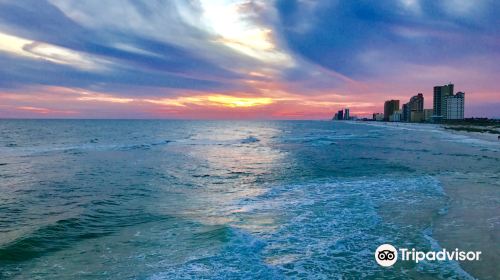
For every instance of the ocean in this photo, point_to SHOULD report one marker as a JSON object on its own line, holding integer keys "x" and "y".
{"x": 167, "y": 199}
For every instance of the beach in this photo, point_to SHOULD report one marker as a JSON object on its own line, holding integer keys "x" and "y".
{"x": 156, "y": 199}
{"x": 444, "y": 128}
{"x": 471, "y": 218}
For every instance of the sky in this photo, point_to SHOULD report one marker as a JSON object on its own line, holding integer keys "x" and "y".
{"x": 243, "y": 59}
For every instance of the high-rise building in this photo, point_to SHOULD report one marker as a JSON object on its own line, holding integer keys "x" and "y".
{"x": 342, "y": 115}
{"x": 417, "y": 103}
{"x": 455, "y": 106}
{"x": 415, "y": 107}
{"x": 396, "y": 116}
{"x": 378, "y": 116}
{"x": 428, "y": 114}
{"x": 416, "y": 116}
{"x": 389, "y": 107}
{"x": 440, "y": 94}
{"x": 406, "y": 113}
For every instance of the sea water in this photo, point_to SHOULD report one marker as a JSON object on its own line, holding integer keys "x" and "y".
{"x": 158, "y": 199}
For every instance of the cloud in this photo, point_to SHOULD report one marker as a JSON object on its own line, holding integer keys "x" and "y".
{"x": 138, "y": 54}
{"x": 286, "y": 58}
{"x": 37, "y": 50}
{"x": 352, "y": 38}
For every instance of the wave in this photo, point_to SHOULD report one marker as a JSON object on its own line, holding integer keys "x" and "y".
{"x": 82, "y": 148}
{"x": 321, "y": 228}
{"x": 249, "y": 139}
{"x": 446, "y": 268}
{"x": 66, "y": 232}
{"x": 240, "y": 258}
{"x": 142, "y": 146}
{"x": 330, "y": 227}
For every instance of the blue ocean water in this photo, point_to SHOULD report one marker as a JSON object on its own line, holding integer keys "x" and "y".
{"x": 157, "y": 199}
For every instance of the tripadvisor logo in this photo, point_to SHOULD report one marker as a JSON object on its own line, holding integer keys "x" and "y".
{"x": 386, "y": 255}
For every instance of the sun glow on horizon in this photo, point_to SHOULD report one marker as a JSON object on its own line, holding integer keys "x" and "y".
{"x": 233, "y": 101}
{"x": 213, "y": 100}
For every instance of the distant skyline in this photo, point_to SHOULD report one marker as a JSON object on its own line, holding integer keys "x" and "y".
{"x": 221, "y": 59}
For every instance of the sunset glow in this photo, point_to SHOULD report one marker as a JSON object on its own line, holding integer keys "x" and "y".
{"x": 258, "y": 59}
{"x": 231, "y": 101}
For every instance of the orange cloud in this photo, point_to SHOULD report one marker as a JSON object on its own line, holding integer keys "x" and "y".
{"x": 264, "y": 103}
{"x": 213, "y": 100}
{"x": 45, "y": 111}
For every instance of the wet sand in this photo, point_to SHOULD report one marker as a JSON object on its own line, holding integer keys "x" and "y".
{"x": 472, "y": 222}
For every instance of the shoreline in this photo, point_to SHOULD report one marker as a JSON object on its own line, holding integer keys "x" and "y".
{"x": 477, "y": 135}
{"x": 470, "y": 221}
{"x": 343, "y": 188}
{"x": 485, "y": 136}
{"x": 470, "y": 230}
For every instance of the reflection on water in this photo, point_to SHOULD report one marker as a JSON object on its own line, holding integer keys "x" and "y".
{"x": 208, "y": 199}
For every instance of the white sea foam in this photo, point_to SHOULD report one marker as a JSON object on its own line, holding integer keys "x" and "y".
{"x": 446, "y": 135}
{"x": 330, "y": 226}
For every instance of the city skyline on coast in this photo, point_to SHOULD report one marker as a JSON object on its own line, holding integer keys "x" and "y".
{"x": 242, "y": 59}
